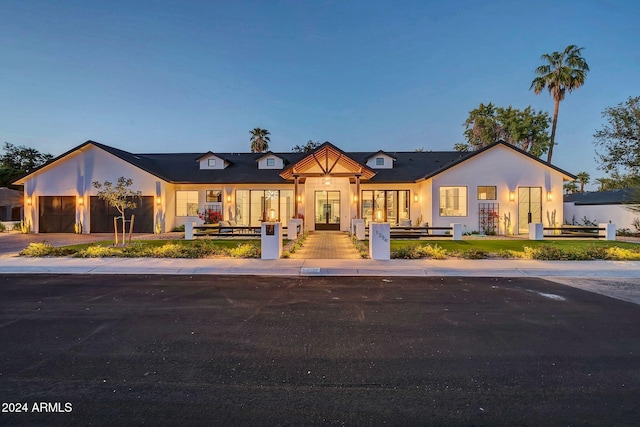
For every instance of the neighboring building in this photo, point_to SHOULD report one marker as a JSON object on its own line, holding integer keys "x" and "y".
{"x": 10, "y": 204}
{"x": 499, "y": 188}
{"x": 603, "y": 206}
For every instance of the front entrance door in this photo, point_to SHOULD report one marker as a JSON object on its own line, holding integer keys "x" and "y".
{"x": 327, "y": 215}
{"x": 529, "y": 207}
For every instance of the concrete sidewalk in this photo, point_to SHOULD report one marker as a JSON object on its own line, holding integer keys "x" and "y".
{"x": 323, "y": 267}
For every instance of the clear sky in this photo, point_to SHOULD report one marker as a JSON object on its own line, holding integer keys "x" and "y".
{"x": 194, "y": 76}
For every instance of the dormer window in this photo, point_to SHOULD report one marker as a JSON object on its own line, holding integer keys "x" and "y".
{"x": 211, "y": 162}
{"x": 379, "y": 161}
{"x": 271, "y": 161}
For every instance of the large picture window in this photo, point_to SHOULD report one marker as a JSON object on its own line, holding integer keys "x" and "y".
{"x": 453, "y": 201}
{"x": 187, "y": 203}
{"x": 254, "y": 206}
{"x": 386, "y": 205}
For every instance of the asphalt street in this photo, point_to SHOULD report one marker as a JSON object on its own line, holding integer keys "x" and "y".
{"x": 250, "y": 350}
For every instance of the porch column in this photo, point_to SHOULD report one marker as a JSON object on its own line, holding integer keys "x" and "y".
{"x": 358, "y": 202}
{"x": 295, "y": 195}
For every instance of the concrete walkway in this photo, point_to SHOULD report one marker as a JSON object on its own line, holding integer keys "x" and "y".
{"x": 327, "y": 245}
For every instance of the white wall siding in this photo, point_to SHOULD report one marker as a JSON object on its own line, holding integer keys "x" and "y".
{"x": 507, "y": 170}
{"x": 620, "y": 215}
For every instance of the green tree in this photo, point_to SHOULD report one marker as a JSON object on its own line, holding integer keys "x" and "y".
{"x": 461, "y": 147}
{"x": 259, "y": 140}
{"x": 308, "y": 147}
{"x": 525, "y": 129}
{"x": 583, "y": 179}
{"x": 620, "y": 139}
{"x": 18, "y": 161}
{"x": 561, "y": 72}
{"x": 570, "y": 187}
{"x": 120, "y": 196}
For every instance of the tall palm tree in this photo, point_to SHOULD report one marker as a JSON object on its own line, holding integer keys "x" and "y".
{"x": 583, "y": 179}
{"x": 570, "y": 187}
{"x": 259, "y": 140}
{"x": 561, "y": 72}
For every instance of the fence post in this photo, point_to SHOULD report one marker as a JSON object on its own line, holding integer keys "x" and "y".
{"x": 188, "y": 230}
{"x": 536, "y": 231}
{"x": 456, "y": 231}
{"x": 609, "y": 232}
{"x": 271, "y": 240}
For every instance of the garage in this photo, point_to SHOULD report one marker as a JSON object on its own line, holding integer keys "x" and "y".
{"x": 101, "y": 215}
{"x": 57, "y": 214}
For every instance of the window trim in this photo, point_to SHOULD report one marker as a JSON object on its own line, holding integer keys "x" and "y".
{"x": 271, "y": 162}
{"x": 379, "y": 161}
{"x": 211, "y": 162}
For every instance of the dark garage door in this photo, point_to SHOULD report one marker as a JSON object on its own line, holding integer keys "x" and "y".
{"x": 57, "y": 214}
{"x": 102, "y": 215}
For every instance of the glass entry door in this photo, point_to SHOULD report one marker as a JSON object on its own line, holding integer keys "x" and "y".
{"x": 529, "y": 207}
{"x": 327, "y": 214}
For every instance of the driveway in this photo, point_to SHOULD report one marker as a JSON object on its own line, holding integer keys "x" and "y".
{"x": 238, "y": 350}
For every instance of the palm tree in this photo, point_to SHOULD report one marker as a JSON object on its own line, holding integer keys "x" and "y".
{"x": 583, "y": 179}
{"x": 570, "y": 187}
{"x": 561, "y": 72}
{"x": 259, "y": 140}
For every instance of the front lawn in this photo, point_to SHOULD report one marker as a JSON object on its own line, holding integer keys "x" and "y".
{"x": 531, "y": 249}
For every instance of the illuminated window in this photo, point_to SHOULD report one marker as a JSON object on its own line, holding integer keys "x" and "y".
{"x": 453, "y": 201}
{"x": 186, "y": 203}
{"x": 486, "y": 192}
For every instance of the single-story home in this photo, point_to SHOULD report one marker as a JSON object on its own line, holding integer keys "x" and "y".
{"x": 10, "y": 204}
{"x": 619, "y": 207}
{"x": 498, "y": 189}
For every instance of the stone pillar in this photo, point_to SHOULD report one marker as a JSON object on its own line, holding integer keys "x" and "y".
{"x": 380, "y": 240}
{"x": 188, "y": 230}
{"x": 536, "y": 231}
{"x": 609, "y": 232}
{"x": 456, "y": 230}
{"x": 271, "y": 240}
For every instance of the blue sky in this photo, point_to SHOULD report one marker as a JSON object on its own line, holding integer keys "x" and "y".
{"x": 194, "y": 76}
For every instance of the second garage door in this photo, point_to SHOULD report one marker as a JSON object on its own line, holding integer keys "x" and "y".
{"x": 102, "y": 215}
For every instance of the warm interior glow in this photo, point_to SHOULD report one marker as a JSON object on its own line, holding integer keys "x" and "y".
{"x": 327, "y": 180}
{"x": 272, "y": 214}
{"x": 379, "y": 215}
{"x": 512, "y": 195}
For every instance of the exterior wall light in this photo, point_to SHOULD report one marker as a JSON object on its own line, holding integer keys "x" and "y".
{"x": 549, "y": 196}
{"x": 80, "y": 200}
{"x": 29, "y": 200}
{"x": 327, "y": 180}
{"x": 299, "y": 198}
{"x": 228, "y": 198}
{"x": 355, "y": 198}
{"x": 415, "y": 197}
{"x": 512, "y": 196}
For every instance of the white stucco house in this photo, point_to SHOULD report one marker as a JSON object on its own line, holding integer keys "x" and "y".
{"x": 499, "y": 188}
{"x": 619, "y": 207}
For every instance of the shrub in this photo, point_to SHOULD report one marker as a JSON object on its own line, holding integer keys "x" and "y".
{"x": 43, "y": 250}
{"x": 544, "y": 252}
{"x": 473, "y": 253}
{"x": 178, "y": 229}
{"x": 98, "y": 251}
{"x": 509, "y": 254}
{"x": 415, "y": 251}
{"x": 621, "y": 254}
{"x": 2, "y": 227}
{"x": 247, "y": 250}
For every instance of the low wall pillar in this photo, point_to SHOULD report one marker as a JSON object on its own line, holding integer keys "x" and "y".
{"x": 609, "y": 232}
{"x": 536, "y": 231}
{"x": 271, "y": 240}
{"x": 188, "y": 230}
{"x": 380, "y": 240}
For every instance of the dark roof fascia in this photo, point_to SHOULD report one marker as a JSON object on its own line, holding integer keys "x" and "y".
{"x": 488, "y": 147}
